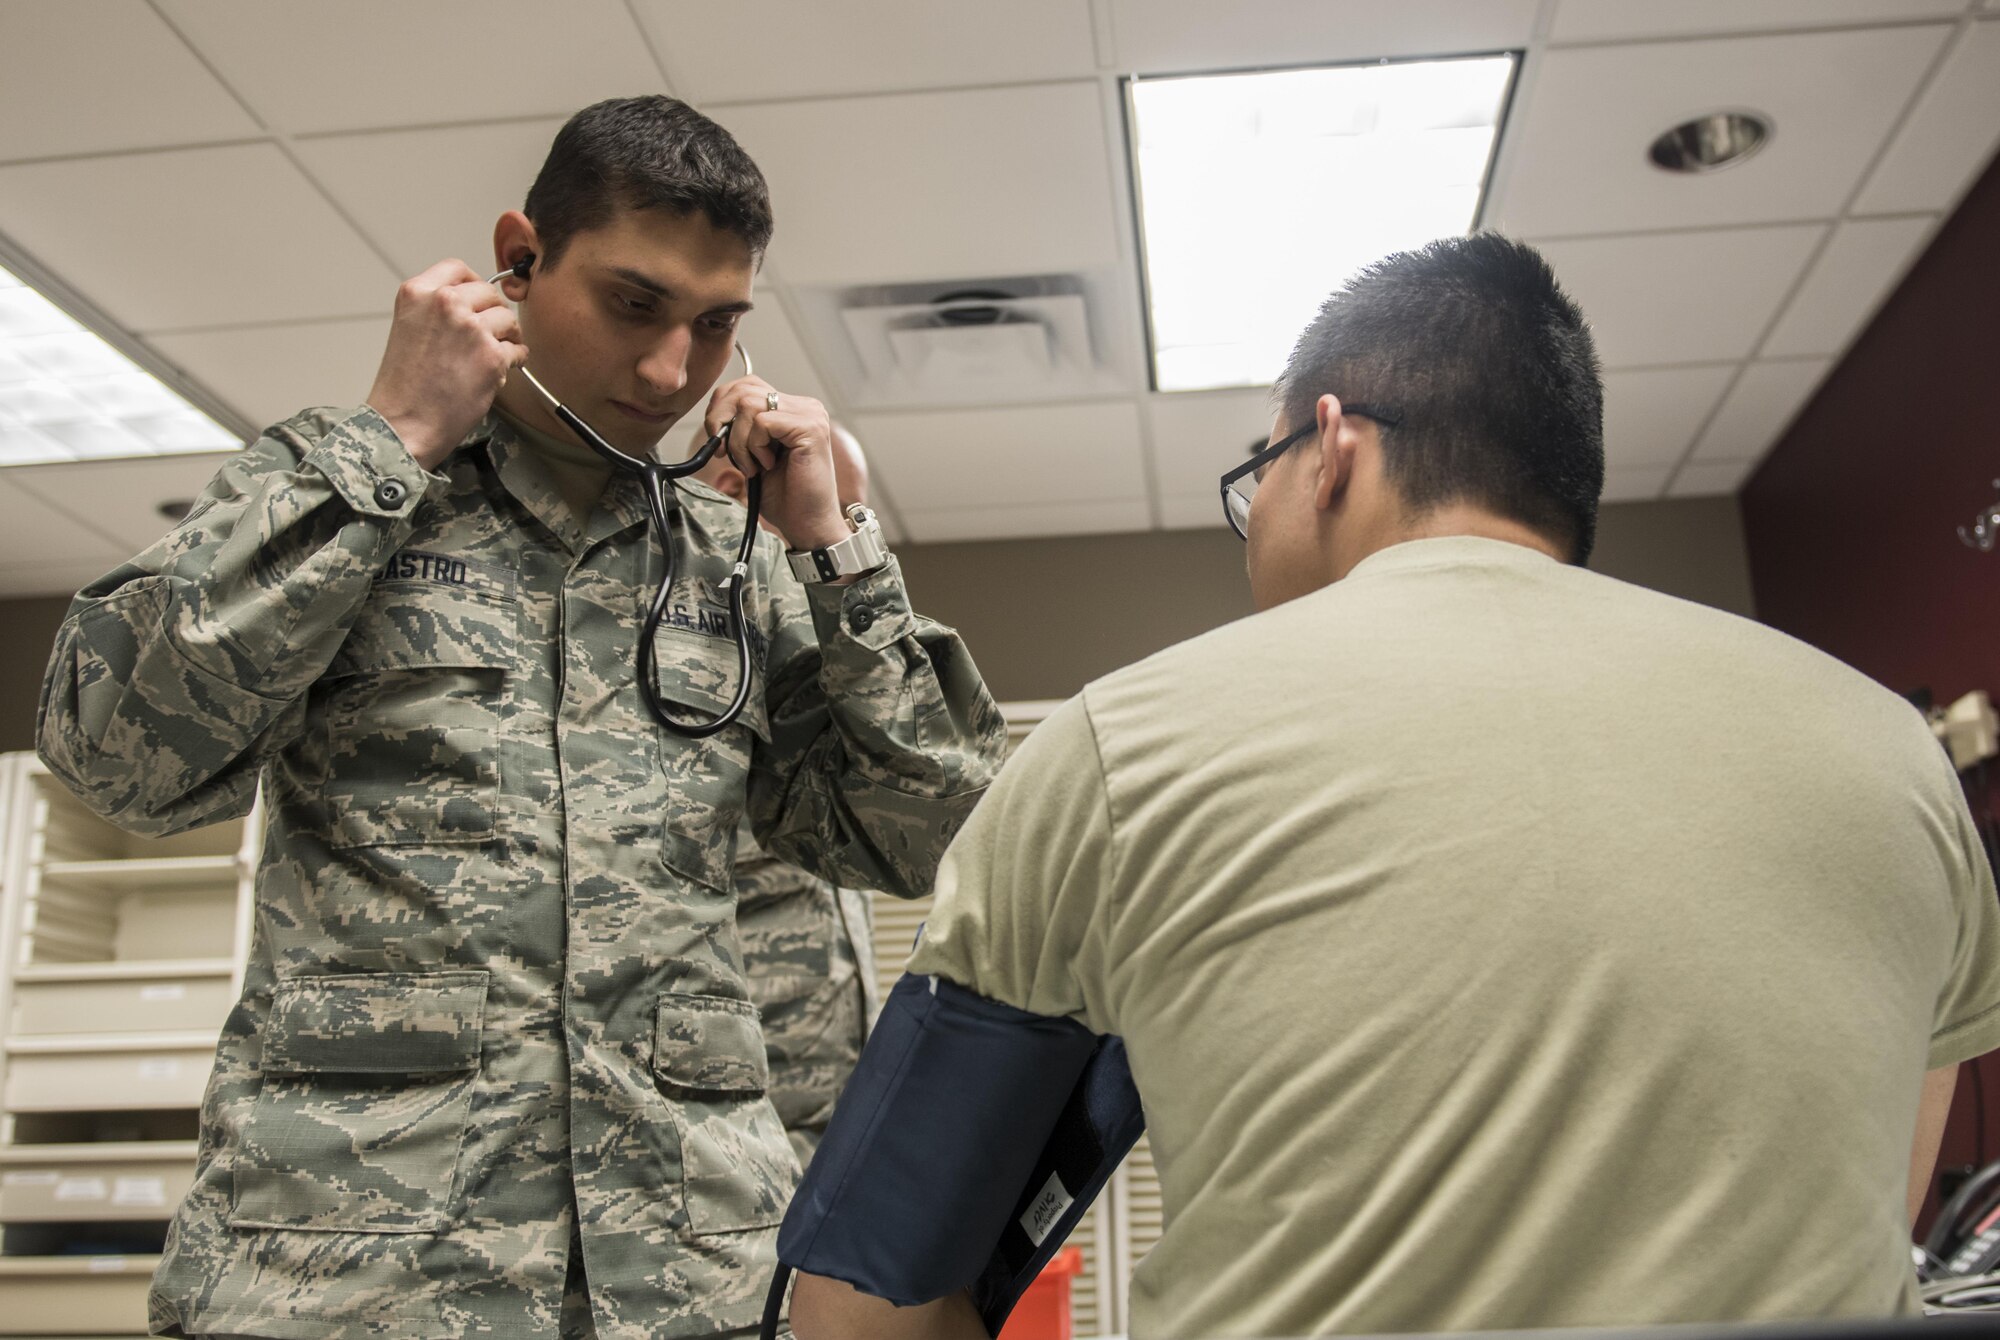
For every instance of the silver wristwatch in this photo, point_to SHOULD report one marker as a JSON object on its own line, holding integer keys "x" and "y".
{"x": 863, "y": 551}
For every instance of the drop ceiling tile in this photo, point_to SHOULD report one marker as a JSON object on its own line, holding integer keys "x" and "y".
{"x": 880, "y": 190}
{"x": 1641, "y": 485}
{"x": 432, "y": 215}
{"x": 896, "y": 45}
{"x": 1204, "y": 513}
{"x": 1759, "y": 408}
{"x": 1172, "y": 36}
{"x": 1652, "y": 414}
{"x": 779, "y": 355}
{"x": 61, "y": 62}
{"x": 1699, "y": 297}
{"x": 1030, "y": 456}
{"x": 1831, "y": 98}
{"x": 269, "y": 373}
{"x": 124, "y": 496}
{"x": 1613, "y": 20}
{"x": 1950, "y": 134}
{"x": 193, "y": 237}
{"x": 947, "y": 525}
{"x": 1858, "y": 269}
{"x": 35, "y": 534}
{"x": 1197, "y": 436}
{"x": 1707, "y": 479}
{"x": 371, "y": 63}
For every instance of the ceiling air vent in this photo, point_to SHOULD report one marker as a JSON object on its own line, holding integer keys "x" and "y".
{"x": 983, "y": 339}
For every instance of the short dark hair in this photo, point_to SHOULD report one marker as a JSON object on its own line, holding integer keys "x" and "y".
{"x": 1491, "y": 370}
{"x": 653, "y": 152}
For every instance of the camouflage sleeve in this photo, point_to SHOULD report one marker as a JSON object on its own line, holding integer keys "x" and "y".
{"x": 883, "y": 735}
{"x": 174, "y": 676}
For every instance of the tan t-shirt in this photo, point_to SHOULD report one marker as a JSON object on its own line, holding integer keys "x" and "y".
{"x": 579, "y": 474}
{"x": 1497, "y": 945}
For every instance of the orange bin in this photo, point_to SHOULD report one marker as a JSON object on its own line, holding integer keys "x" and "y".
{"x": 1043, "y": 1312}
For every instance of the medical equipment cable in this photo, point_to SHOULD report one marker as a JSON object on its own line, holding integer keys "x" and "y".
{"x": 774, "y": 1303}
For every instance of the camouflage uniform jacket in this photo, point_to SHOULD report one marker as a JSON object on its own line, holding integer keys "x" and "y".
{"x": 808, "y": 951}
{"x": 495, "y": 992}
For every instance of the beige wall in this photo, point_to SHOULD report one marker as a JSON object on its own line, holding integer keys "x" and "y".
{"x": 27, "y": 632}
{"x": 1044, "y": 617}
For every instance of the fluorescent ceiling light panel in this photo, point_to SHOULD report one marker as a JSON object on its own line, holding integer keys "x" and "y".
{"x": 1260, "y": 193}
{"x": 68, "y": 395}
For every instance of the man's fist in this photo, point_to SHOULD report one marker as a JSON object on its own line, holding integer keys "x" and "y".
{"x": 451, "y": 346}
{"x": 791, "y": 446}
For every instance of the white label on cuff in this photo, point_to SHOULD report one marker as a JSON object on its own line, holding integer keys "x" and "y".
{"x": 142, "y": 1192}
{"x": 1046, "y": 1209}
{"x": 81, "y": 1188}
{"x": 152, "y": 994}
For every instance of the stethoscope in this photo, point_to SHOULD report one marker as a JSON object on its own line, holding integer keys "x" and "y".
{"x": 662, "y": 505}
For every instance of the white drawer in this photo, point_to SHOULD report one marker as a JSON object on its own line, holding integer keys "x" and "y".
{"x": 74, "y": 1295}
{"x": 95, "y": 1184}
{"x": 123, "y": 1005}
{"x": 119, "y": 1075}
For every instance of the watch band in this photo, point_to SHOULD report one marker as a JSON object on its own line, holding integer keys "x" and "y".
{"x": 863, "y": 551}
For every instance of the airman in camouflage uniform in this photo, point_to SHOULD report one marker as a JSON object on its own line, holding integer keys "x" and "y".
{"x": 807, "y": 945}
{"x": 495, "y": 1069}
{"x": 811, "y": 964}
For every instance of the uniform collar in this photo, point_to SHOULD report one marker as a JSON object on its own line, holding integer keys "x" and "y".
{"x": 523, "y": 475}
{"x": 1450, "y": 551}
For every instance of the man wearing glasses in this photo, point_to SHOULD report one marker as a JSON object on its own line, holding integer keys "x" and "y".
{"x": 1496, "y": 944}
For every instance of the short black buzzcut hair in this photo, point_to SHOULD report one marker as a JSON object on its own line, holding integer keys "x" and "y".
{"x": 653, "y": 152}
{"x": 1489, "y": 367}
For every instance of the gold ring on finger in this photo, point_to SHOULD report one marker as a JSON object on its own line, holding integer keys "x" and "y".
{"x": 771, "y": 401}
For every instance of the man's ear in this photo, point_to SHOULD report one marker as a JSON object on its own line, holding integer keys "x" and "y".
{"x": 1336, "y": 446}
{"x": 514, "y": 240}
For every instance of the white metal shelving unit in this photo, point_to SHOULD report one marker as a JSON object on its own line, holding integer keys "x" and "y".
{"x": 120, "y": 957}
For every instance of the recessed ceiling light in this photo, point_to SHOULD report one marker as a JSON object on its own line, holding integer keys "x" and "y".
{"x": 68, "y": 394}
{"x": 1260, "y": 193}
{"x": 1710, "y": 142}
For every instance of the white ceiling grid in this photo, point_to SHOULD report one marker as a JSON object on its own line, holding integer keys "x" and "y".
{"x": 243, "y": 184}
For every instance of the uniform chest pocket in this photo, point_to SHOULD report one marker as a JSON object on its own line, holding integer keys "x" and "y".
{"x": 367, "y": 1092}
{"x": 412, "y": 707}
{"x": 705, "y": 779}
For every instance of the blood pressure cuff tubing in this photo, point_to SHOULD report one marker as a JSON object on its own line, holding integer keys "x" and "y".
{"x": 968, "y": 1143}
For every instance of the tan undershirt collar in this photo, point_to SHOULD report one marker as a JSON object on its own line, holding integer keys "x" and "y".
{"x": 579, "y": 474}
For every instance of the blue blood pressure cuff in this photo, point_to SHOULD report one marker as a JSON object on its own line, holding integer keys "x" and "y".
{"x": 970, "y": 1140}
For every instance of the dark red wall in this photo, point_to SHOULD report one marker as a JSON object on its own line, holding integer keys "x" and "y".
{"x": 1852, "y": 522}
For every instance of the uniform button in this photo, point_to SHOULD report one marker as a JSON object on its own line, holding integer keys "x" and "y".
{"x": 390, "y": 494}
{"x": 861, "y": 618}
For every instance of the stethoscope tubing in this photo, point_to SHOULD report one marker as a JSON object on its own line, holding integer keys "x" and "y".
{"x": 657, "y": 484}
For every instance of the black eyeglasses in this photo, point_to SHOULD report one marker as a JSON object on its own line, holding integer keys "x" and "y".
{"x": 1239, "y": 486}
